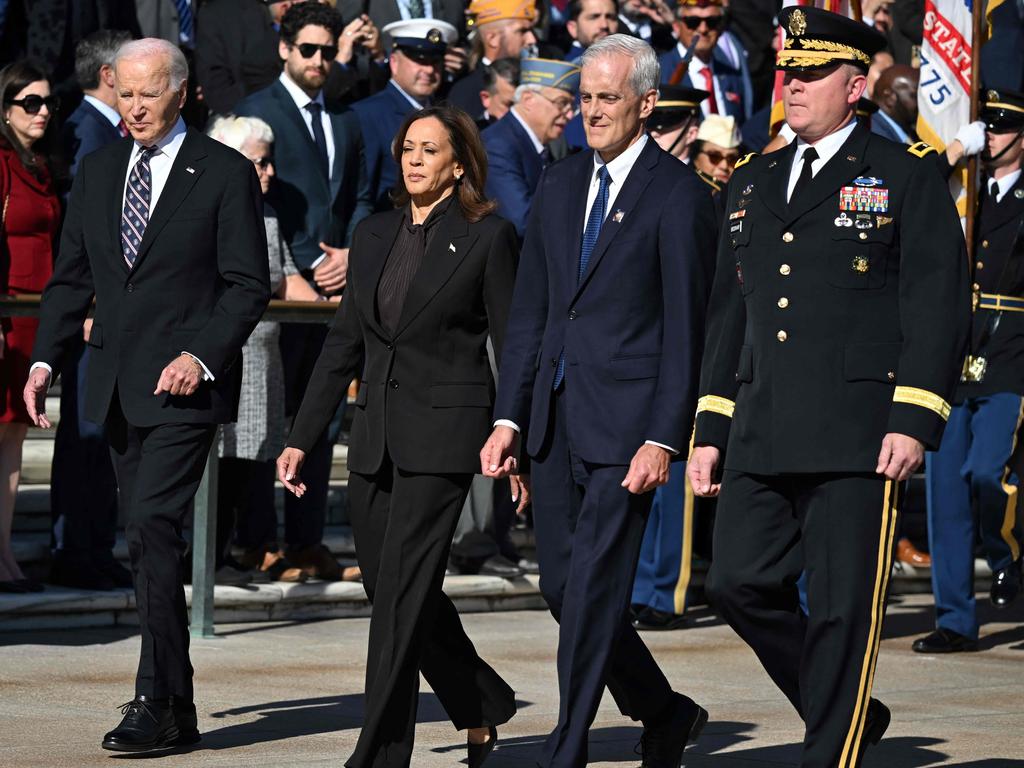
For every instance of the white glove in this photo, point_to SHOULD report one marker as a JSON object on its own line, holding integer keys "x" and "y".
{"x": 971, "y": 137}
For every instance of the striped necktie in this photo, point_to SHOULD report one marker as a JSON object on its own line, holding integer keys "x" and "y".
{"x": 135, "y": 214}
{"x": 186, "y": 24}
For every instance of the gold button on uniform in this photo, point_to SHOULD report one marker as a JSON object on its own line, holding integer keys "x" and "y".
{"x": 980, "y": 265}
{"x": 783, "y": 302}
{"x": 781, "y": 335}
{"x": 784, "y": 269}
{"x": 984, "y": 243}
{"x": 863, "y": 235}
{"x": 891, "y": 375}
{"x": 787, "y": 237}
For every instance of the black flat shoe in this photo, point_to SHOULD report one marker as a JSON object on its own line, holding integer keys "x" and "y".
{"x": 1006, "y": 585}
{"x": 662, "y": 745}
{"x": 147, "y": 725}
{"x": 876, "y": 722}
{"x": 944, "y": 641}
{"x": 653, "y": 620}
{"x": 479, "y": 752}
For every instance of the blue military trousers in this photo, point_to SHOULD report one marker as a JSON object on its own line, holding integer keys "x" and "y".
{"x": 968, "y": 479}
{"x": 663, "y": 571}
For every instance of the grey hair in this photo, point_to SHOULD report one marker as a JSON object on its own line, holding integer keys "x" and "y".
{"x": 646, "y": 71}
{"x": 154, "y": 46}
{"x": 521, "y": 89}
{"x": 236, "y": 132}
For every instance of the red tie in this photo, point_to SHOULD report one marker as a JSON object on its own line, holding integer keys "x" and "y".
{"x": 122, "y": 129}
{"x": 709, "y": 86}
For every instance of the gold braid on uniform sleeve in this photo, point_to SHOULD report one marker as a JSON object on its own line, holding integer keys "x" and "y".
{"x": 716, "y": 404}
{"x": 922, "y": 398}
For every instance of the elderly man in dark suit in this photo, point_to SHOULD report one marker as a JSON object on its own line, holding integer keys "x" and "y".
{"x": 323, "y": 191}
{"x": 599, "y": 374}
{"x": 165, "y": 231}
{"x": 83, "y": 491}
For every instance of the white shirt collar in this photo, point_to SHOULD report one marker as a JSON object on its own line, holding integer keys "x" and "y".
{"x": 619, "y": 168}
{"x": 299, "y": 96}
{"x": 416, "y": 103}
{"x": 104, "y": 109}
{"x": 168, "y": 145}
{"x": 529, "y": 131}
{"x": 827, "y": 146}
{"x": 1004, "y": 185}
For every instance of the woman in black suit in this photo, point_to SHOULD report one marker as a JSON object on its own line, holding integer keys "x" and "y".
{"x": 427, "y": 284}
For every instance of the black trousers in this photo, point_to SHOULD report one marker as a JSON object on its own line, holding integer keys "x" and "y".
{"x": 589, "y": 530}
{"x": 840, "y": 531}
{"x": 158, "y": 471}
{"x": 403, "y": 525}
{"x": 245, "y": 505}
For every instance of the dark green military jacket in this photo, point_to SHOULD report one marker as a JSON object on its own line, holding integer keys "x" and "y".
{"x": 838, "y": 317}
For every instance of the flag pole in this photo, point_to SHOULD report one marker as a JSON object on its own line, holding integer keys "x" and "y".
{"x": 977, "y": 15}
{"x": 855, "y": 7}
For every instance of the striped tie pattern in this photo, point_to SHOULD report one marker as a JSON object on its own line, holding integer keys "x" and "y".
{"x": 186, "y": 23}
{"x": 593, "y": 229}
{"x": 135, "y": 215}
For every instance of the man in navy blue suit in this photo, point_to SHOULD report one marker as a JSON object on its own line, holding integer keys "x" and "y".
{"x": 598, "y": 379}
{"x": 517, "y": 150}
{"x": 896, "y": 96}
{"x": 322, "y": 193}
{"x": 417, "y": 66}
{"x": 727, "y": 82}
{"x": 83, "y": 491}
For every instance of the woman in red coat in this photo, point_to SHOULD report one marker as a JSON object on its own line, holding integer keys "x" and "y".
{"x": 31, "y": 216}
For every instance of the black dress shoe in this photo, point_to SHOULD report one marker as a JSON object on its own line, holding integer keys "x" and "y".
{"x": 652, "y": 620}
{"x": 147, "y": 724}
{"x": 498, "y": 565}
{"x": 188, "y": 724}
{"x": 79, "y": 574}
{"x": 876, "y": 722}
{"x": 109, "y": 565}
{"x": 1006, "y": 585}
{"x": 479, "y": 752}
{"x": 944, "y": 641}
{"x": 662, "y": 745}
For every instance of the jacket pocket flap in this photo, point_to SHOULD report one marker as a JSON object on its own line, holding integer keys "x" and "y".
{"x": 635, "y": 367}
{"x": 96, "y": 336}
{"x": 361, "y": 394}
{"x": 460, "y": 395}
{"x": 872, "y": 362}
{"x": 874, "y": 234}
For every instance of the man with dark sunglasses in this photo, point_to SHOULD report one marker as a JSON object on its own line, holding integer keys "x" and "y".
{"x": 323, "y": 192}
{"x": 711, "y": 67}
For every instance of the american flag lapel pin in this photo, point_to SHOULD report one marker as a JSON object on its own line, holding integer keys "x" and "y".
{"x": 190, "y": 169}
{"x": 617, "y": 216}
{"x": 451, "y": 247}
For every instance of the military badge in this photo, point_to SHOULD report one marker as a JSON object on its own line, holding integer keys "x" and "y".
{"x": 868, "y": 181}
{"x": 1019, "y": 194}
{"x": 797, "y": 23}
{"x": 738, "y": 214}
{"x": 736, "y": 228}
{"x": 860, "y": 264}
{"x": 883, "y": 220}
{"x": 842, "y": 220}
{"x": 863, "y": 221}
{"x": 617, "y": 216}
{"x": 748, "y": 189}
{"x": 868, "y": 199}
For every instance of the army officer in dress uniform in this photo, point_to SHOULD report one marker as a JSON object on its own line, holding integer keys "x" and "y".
{"x": 836, "y": 331}
{"x": 970, "y": 470}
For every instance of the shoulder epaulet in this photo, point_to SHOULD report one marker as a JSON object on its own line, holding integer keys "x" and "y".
{"x": 745, "y": 159}
{"x": 921, "y": 148}
{"x": 709, "y": 181}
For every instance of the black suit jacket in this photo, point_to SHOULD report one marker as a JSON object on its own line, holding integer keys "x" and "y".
{"x": 427, "y": 389}
{"x": 311, "y": 209}
{"x": 200, "y": 282}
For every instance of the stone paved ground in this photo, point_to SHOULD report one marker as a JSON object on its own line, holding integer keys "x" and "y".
{"x": 288, "y": 695}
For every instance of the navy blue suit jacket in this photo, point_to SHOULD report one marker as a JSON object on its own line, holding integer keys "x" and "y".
{"x": 632, "y": 329}
{"x": 514, "y": 168}
{"x": 85, "y": 131}
{"x": 881, "y": 127}
{"x": 380, "y": 117}
{"x": 310, "y": 209}
{"x": 739, "y": 100}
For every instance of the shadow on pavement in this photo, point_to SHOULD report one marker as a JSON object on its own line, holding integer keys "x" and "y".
{"x": 72, "y": 637}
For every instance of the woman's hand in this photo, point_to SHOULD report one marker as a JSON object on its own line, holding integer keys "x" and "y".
{"x": 520, "y": 492}
{"x": 288, "y": 465}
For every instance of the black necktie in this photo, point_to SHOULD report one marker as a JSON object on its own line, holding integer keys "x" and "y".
{"x": 806, "y": 173}
{"x": 318, "y": 136}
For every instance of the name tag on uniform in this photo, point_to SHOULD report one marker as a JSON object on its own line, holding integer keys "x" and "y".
{"x": 869, "y": 199}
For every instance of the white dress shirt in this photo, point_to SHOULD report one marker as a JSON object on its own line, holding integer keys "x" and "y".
{"x": 415, "y": 102}
{"x": 999, "y": 187}
{"x": 618, "y": 172}
{"x": 105, "y": 109}
{"x": 826, "y": 148}
{"x": 697, "y": 81}
{"x": 301, "y": 102}
{"x": 529, "y": 131}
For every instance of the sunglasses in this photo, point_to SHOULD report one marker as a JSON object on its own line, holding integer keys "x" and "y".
{"x": 694, "y": 22}
{"x": 33, "y": 103}
{"x": 308, "y": 51}
{"x": 716, "y": 157}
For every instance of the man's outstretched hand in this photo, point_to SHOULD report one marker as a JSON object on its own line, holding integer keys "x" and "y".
{"x": 35, "y": 397}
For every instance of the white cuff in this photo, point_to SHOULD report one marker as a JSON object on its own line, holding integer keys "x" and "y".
{"x": 49, "y": 370}
{"x": 668, "y": 448}
{"x": 207, "y": 376}
{"x": 318, "y": 261}
{"x": 507, "y": 423}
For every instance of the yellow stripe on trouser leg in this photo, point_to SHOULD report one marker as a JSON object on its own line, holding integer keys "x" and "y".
{"x": 887, "y": 532}
{"x": 686, "y": 557}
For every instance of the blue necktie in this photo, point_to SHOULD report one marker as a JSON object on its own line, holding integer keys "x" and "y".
{"x": 135, "y": 214}
{"x": 319, "y": 137}
{"x": 590, "y": 235}
{"x": 186, "y": 25}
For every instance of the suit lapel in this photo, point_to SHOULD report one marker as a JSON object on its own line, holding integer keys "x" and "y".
{"x": 846, "y": 164}
{"x": 534, "y": 164}
{"x": 385, "y": 230}
{"x": 448, "y": 247}
{"x": 578, "y": 192}
{"x": 337, "y": 169}
{"x": 185, "y": 172}
{"x": 115, "y": 195}
{"x": 1007, "y": 208}
{"x": 773, "y": 179}
{"x": 292, "y": 113}
{"x": 625, "y": 206}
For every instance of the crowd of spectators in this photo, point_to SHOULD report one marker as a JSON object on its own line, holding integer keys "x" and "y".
{"x": 313, "y": 93}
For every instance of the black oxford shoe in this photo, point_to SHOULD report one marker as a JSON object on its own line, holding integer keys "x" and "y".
{"x": 944, "y": 641}
{"x": 653, "y": 620}
{"x": 662, "y": 745}
{"x": 1006, "y": 584}
{"x": 147, "y": 724}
